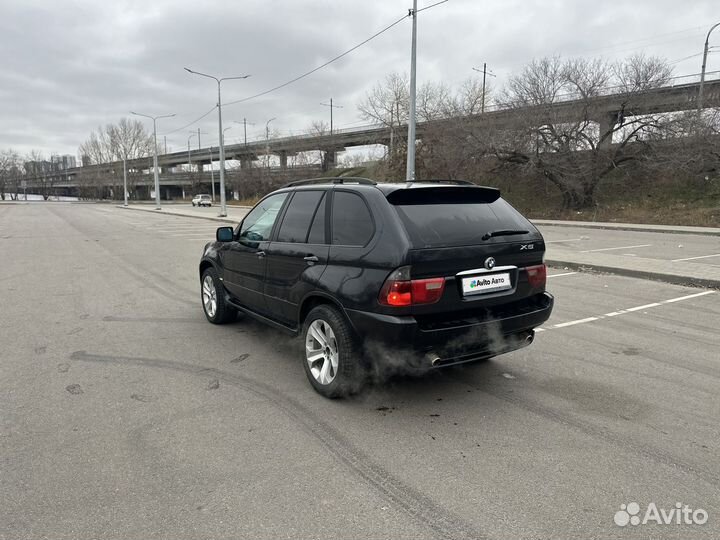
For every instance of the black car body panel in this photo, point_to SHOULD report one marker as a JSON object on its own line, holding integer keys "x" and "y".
{"x": 339, "y": 242}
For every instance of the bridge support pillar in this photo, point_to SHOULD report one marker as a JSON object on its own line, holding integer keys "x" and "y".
{"x": 330, "y": 158}
{"x": 606, "y": 125}
{"x": 283, "y": 159}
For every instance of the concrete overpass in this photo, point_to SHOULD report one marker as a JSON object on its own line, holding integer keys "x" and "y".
{"x": 603, "y": 109}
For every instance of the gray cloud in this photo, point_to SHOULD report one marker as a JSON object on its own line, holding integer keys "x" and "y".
{"x": 71, "y": 66}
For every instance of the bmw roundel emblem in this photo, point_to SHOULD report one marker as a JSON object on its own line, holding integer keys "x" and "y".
{"x": 490, "y": 263}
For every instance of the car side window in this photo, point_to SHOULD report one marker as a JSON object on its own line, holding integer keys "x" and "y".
{"x": 257, "y": 225}
{"x": 317, "y": 229}
{"x": 352, "y": 224}
{"x": 298, "y": 216}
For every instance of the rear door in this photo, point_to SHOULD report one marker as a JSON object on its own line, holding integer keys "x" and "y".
{"x": 450, "y": 231}
{"x": 297, "y": 256}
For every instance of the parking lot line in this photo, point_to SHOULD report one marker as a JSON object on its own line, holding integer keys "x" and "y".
{"x": 560, "y": 275}
{"x": 624, "y": 311}
{"x": 693, "y": 258}
{"x": 569, "y": 240}
{"x": 611, "y": 248}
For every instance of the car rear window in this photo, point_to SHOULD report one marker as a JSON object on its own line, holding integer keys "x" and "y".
{"x": 454, "y": 217}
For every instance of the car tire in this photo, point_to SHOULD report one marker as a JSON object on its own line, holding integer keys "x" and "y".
{"x": 193, "y": 204}
{"x": 330, "y": 355}
{"x": 212, "y": 296}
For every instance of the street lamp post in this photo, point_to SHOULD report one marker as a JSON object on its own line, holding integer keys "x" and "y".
{"x": 410, "y": 168}
{"x": 125, "y": 180}
{"x": 267, "y": 140}
{"x": 223, "y": 208}
{"x": 704, "y": 65}
{"x": 212, "y": 176}
{"x": 155, "y": 159}
{"x": 192, "y": 134}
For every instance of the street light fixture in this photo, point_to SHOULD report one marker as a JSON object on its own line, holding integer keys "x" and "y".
{"x": 223, "y": 208}
{"x": 155, "y": 160}
{"x": 704, "y": 64}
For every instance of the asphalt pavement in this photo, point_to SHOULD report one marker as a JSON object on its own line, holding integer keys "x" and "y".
{"x": 125, "y": 414}
{"x": 670, "y": 253}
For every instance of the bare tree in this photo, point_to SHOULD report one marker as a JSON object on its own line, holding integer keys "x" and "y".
{"x": 127, "y": 140}
{"x": 10, "y": 173}
{"x": 560, "y": 132}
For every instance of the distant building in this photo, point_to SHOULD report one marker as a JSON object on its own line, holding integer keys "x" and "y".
{"x": 63, "y": 162}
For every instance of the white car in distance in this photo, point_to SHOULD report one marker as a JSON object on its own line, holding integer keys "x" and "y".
{"x": 202, "y": 200}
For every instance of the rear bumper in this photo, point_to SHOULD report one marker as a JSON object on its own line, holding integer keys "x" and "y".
{"x": 497, "y": 331}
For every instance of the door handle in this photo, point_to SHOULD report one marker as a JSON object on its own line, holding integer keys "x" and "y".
{"x": 260, "y": 254}
{"x": 311, "y": 259}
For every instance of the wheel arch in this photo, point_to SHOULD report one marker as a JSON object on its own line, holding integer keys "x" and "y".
{"x": 204, "y": 265}
{"x": 315, "y": 299}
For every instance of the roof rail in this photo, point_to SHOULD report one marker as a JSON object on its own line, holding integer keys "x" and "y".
{"x": 335, "y": 180}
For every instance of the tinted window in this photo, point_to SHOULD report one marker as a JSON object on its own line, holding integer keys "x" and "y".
{"x": 351, "y": 221}
{"x": 317, "y": 230}
{"x": 298, "y": 216}
{"x": 258, "y": 224}
{"x": 457, "y": 224}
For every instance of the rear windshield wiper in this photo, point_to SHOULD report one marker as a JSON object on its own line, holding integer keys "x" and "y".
{"x": 489, "y": 235}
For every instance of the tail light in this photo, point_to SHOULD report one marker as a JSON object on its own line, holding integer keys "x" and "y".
{"x": 400, "y": 291}
{"x": 537, "y": 275}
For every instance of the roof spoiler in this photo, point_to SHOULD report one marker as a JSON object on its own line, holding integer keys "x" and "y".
{"x": 415, "y": 194}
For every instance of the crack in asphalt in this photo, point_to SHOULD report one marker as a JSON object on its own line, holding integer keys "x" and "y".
{"x": 414, "y": 503}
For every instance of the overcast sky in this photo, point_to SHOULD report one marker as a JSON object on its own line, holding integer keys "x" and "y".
{"x": 68, "y": 67}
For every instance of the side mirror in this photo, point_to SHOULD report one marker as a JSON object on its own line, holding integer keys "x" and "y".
{"x": 224, "y": 234}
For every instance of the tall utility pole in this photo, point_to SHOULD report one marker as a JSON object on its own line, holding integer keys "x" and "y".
{"x": 199, "y": 147}
{"x": 410, "y": 169}
{"x": 704, "y": 65}
{"x": 223, "y": 207}
{"x": 155, "y": 155}
{"x": 485, "y": 73}
{"x": 331, "y": 112}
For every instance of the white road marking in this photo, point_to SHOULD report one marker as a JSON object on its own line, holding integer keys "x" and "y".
{"x": 688, "y": 297}
{"x": 560, "y": 275}
{"x": 570, "y": 240}
{"x": 612, "y": 248}
{"x": 693, "y": 258}
{"x": 571, "y": 323}
{"x": 624, "y": 311}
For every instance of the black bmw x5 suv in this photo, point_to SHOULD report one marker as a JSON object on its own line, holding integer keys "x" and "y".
{"x": 448, "y": 271}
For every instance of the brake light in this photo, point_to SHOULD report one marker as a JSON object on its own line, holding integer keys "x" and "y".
{"x": 537, "y": 275}
{"x": 399, "y": 290}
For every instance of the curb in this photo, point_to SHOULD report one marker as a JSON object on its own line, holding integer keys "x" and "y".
{"x": 625, "y": 227}
{"x": 642, "y": 274}
{"x": 152, "y": 210}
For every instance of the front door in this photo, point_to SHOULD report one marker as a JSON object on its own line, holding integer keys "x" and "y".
{"x": 244, "y": 259}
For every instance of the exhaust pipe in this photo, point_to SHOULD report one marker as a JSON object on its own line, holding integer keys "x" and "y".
{"x": 530, "y": 337}
{"x": 432, "y": 358}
